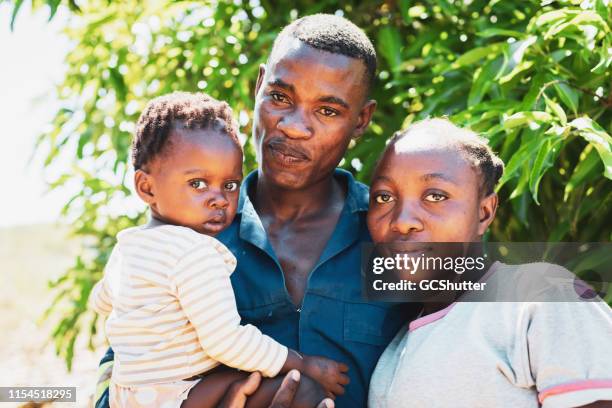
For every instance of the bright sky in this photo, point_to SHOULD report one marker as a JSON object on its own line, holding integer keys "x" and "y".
{"x": 32, "y": 62}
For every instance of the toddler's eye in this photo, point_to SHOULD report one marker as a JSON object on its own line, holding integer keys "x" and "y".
{"x": 198, "y": 184}
{"x": 435, "y": 197}
{"x": 231, "y": 186}
{"x": 383, "y": 198}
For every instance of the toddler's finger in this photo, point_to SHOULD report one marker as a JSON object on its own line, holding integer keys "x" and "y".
{"x": 337, "y": 389}
{"x": 343, "y": 379}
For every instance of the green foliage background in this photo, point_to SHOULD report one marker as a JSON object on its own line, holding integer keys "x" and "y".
{"x": 533, "y": 77}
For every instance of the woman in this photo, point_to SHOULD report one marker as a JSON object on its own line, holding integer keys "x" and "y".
{"x": 435, "y": 183}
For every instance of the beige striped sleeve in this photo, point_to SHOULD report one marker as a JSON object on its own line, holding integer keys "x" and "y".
{"x": 99, "y": 299}
{"x": 204, "y": 290}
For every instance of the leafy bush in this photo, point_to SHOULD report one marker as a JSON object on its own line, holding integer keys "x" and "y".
{"x": 533, "y": 77}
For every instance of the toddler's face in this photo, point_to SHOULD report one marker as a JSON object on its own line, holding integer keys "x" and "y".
{"x": 195, "y": 182}
{"x": 423, "y": 193}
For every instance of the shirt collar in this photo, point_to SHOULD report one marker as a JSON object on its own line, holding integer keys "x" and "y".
{"x": 346, "y": 232}
{"x": 357, "y": 197}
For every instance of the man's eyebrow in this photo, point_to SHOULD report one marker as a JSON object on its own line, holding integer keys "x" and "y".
{"x": 438, "y": 176}
{"x": 281, "y": 84}
{"x": 335, "y": 100}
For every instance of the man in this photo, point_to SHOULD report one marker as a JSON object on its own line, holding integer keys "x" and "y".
{"x": 300, "y": 220}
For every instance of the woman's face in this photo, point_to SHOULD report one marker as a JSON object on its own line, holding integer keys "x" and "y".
{"x": 427, "y": 192}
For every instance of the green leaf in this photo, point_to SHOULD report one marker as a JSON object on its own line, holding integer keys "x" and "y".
{"x": 524, "y": 118}
{"x": 568, "y": 95}
{"x": 519, "y": 158}
{"x": 483, "y": 81}
{"x": 547, "y": 154}
{"x": 584, "y": 169}
{"x": 601, "y": 7}
{"x": 389, "y": 46}
{"x": 598, "y": 138}
{"x": 16, "y": 7}
{"x": 476, "y": 54}
{"x": 493, "y": 32}
{"x": 556, "y": 109}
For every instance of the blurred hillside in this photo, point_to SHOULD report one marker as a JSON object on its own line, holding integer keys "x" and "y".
{"x": 29, "y": 257}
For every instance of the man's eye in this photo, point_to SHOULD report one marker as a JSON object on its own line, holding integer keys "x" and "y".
{"x": 231, "y": 186}
{"x": 384, "y": 198}
{"x": 328, "y": 112}
{"x": 278, "y": 97}
{"x": 435, "y": 197}
{"x": 198, "y": 184}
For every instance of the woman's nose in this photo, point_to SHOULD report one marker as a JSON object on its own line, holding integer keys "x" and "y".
{"x": 406, "y": 220}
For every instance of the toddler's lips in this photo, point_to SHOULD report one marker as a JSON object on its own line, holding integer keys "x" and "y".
{"x": 214, "y": 226}
{"x": 216, "y": 223}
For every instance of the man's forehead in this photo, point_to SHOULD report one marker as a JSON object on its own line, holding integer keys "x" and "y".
{"x": 292, "y": 58}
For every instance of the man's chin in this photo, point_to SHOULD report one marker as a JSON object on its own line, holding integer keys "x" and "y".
{"x": 289, "y": 179}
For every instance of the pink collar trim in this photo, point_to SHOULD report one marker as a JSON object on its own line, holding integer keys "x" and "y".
{"x": 430, "y": 318}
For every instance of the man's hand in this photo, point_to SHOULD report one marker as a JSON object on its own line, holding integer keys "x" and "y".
{"x": 238, "y": 393}
{"x": 286, "y": 393}
{"x": 240, "y": 390}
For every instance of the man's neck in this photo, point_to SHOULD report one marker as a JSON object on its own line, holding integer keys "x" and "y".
{"x": 290, "y": 205}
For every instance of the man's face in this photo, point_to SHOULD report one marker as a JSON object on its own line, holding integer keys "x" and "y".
{"x": 308, "y": 105}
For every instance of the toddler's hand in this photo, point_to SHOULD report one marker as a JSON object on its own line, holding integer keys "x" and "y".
{"x": 328, "y": 373}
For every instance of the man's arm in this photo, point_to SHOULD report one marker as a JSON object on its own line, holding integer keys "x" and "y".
{"x": 105, "y": 369}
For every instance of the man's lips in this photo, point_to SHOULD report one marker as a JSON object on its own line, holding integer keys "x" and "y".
{"x": 287, "y": 152}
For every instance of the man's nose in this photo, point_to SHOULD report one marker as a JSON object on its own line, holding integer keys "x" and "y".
{"x": 407, "y": 219}
{"x": 296, "y": 124}
{"x": 217, "y": 200}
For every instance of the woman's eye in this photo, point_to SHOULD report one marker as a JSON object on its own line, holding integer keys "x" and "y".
{"x": 435, "y": 197}
{"x": 383, "y": 198}
{"x": 198, "y": 184}
{"x": 231, "y": 186}
{"x": 328, "y": 112}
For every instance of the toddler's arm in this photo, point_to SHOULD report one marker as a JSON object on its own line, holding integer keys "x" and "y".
{"x": 204, "y": 290}
{"x": 100, "y": 299}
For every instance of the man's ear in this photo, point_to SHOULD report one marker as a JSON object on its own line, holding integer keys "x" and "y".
{"x": 486, "y": 212}
{"x": 260, "y": 77}
{"x": 143, "y": 182}
{"x": 364, "y": 118}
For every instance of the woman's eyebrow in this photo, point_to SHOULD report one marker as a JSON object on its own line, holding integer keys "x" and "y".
{"x": 381, "y": 178}
{"x": 438, "y": 176}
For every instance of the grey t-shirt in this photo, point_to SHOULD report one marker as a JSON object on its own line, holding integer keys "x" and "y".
{"x": 500, "y": 354}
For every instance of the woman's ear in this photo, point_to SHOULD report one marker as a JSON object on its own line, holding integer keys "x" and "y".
{"x": 143, "y": 182}
{"x": 486, "y": 212}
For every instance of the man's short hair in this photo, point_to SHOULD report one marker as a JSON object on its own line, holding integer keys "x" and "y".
{"x": 327, "y": 32}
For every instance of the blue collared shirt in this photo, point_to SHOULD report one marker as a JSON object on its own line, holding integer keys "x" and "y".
{"x": 334, "y": 320}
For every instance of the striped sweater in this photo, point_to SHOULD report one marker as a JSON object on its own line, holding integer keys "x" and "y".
{"x": 172, "y": 311}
